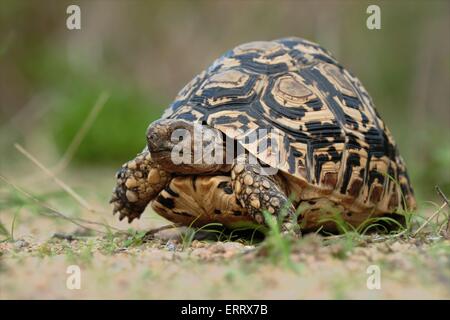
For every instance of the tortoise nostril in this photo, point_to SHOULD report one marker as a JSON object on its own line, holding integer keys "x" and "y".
{"x": 153, "y": 137}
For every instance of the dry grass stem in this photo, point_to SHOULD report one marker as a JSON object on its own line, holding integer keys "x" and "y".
{"x": 59, "y": 182}
{"x": 56, "y": 213}
{"x": 429, "y": 219}
{"x": 81, "y": 133}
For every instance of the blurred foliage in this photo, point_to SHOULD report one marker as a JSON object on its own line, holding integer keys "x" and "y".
{"x": 430, "y": 164}
{"x": 119, "y": 133}
{"x": 142, "y": 53}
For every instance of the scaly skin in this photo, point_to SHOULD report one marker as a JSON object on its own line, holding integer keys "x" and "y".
{"x": 138, "y": 182}
{"x": 258, "y": 192}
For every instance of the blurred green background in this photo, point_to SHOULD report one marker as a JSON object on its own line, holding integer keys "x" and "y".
{"x": 143, "y": 52}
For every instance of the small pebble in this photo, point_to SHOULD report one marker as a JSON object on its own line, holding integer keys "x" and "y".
{"x": 170, "y": 246}
{"x": 19, "y": 244}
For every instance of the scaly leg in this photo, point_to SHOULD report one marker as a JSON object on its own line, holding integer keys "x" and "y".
{"x": 138, "y": 182}
{"x": 258, "y": 192}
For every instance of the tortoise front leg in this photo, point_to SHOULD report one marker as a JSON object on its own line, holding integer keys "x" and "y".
{"x": 258, "y": 192}
{"x": 138, "y": 182}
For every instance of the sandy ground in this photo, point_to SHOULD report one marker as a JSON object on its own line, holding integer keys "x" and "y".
{"x": 35, "y": 264}
{"x": 161, "y": 269}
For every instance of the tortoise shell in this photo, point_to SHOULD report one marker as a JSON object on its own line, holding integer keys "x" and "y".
{"x": 333, "y": 138}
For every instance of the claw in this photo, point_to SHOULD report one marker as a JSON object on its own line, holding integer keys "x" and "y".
{"x": 132, "y": 191}
{"x": 117, "y": 207}
{"x": 114, "y": 196}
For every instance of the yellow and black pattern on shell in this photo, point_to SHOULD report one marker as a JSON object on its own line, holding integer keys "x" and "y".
{"x": 334, "y": 142}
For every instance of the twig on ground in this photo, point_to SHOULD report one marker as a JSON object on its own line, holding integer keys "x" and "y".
{"x": 152, "y": 232}
{"x": 63, "y": 185}
{"x": 443, "y": 196}
{"x": 56, "y": 213}
{"x": 429, "y": 219}
{"x": 78, "y": 138}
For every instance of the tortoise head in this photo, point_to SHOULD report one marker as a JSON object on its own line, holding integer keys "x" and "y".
{"x": 174, "y": 145}
{"x": 161, "y": 139}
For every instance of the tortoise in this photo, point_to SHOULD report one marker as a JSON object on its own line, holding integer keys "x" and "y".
{"x": 336, "y": 155}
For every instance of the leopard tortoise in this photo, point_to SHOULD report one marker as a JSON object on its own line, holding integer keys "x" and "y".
{"x": 336, "y": 155}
